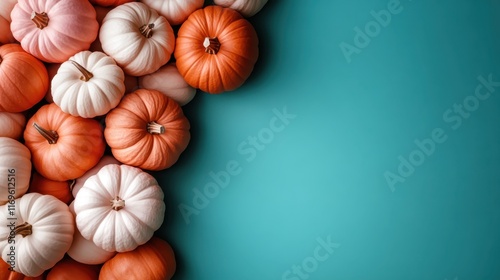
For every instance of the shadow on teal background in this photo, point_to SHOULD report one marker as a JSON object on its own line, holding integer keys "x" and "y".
{"x": 320, "y": 177}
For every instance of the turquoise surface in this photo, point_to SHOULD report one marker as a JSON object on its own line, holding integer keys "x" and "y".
{"x": 362, "y": 147}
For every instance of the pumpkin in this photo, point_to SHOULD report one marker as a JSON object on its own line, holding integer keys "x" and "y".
{"x": 139, "y": 39}
{"x": 58, "y": 189}
{"x": 41, "y": 232}
{"x": 147, "y": 130}
{"x": 6, "y": 7}
{"x": 175, "y": 11}
{"x": 23, "y": 79}
{"x": 105, "y": 160}
{"x": 6, "y": 274}
{"x": 106, "y": 3}
{"x": 68, "y": 268}
{"x": 247, "y": 8}
{"x": 12, "y": 125}
{"x": 85, "y": 251}
{"x": 101, "y": 12}
{"x": 156, "y": 253}
{"x": 219, "y": 56}
{"x": 63, "y": 146}
{"x": 89, "y": 84}
{"x": 52, "y": 70}
{"x": 119, "y": 208}
{"x": 15, "y": 169}
{"x": 54, "y": 30}
{"x": 169, "y": 81}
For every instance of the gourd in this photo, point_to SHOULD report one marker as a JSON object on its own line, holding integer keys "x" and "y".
{"x": 6, "y": 274}
{"x": 15, "y": 169}
{"x": 137, "y": 38}
{"x": 147, "y": 130}
{"x": 112, "y": 3}
{"x": 68, "y": 268}
{"x": 54, "y": 30}
{"x": 6, "y": 7}
{"x": 89, "y": 84}
{"x": 247, "y": 8}
{"x": 175, "y": 11}
{"x": 219, "y": 56}
{"x": 119, "y": 208}
{"x": 105, "y": 160}
{"x": 41, "y": 232}
{"x": 12, "y": 125}
{"x": 58, "y": 189}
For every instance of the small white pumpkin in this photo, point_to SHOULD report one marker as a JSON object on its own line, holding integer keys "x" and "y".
{"x": 170, "y": 82}
{"x": 119, "y": 208}
{"x": 12, "y": 125}
{"x": 89, "y": 84}
{"x": 137, "y": 38}
{"x": 176, "y": 11}
{"x": 247, "y": 8}
{"x": 43, "y": 231}
{"x": 15, "y": 169}
{"x": 79, "y": 182}
{"x": 85, "y": 251}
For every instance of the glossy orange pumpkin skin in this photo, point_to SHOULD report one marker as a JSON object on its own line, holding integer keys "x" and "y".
{"x": 59, "y": 189}
{"x": 156, "y": 253}
{"x": 79, "y": 146}
{"x": 68, "y": 268}
{"x": 6, "y": 274}
{"x": 216, "y": 49}
{"x": 130, "y": 130}
{"x": 23, "y": 79}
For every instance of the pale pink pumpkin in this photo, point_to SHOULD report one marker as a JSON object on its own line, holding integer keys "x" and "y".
{"x": 54, "y": 30}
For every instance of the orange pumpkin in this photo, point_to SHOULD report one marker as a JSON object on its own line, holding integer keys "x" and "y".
{"x": 23, "y": 79}
{"x": 68, "y": 268}
{"x": 63, "y": 146}
{"x": 6, "y": 274}
{"x": 59, "y": 189}
{"x": 216, "y": 49}
{"x": 154, "y": 260}
{"x": 12, "y": 125}
{"x": 147, "y": 130}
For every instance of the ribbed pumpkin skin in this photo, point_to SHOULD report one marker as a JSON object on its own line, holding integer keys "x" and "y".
{"x": 112, "y": 3}
{"x": 15, "y": 168}
{"x": 247, "y": 8}
{"x": 6, "y": 7}
{"x": 12, "y": 125}
{"x": 79, "y": 147}
{"x": 175, "y": 11}
{"x": 227, "y": 69}
{"x": 58, "y": 189}
{"x": 6, "y": 274}
{"x": 23, "y": 79}
{"x": 72, "y": 27}
{"x": 127, "y": 133}
{"x": 69, "y": 269}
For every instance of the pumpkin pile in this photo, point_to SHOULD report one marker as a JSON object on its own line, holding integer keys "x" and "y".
{"x": 91, "y": 96}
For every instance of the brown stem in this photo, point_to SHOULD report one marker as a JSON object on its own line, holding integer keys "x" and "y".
{"x": 212, "y": 45}
{"x": 155, "y": 128}
{"x": 86, "y": 75}
{"x": 41, "y": 20}
{"x": 50, "y": 135}
{"x": 117, "y": 203}
{"x": 147, "y": 30}
{"x": 24, "y": 229}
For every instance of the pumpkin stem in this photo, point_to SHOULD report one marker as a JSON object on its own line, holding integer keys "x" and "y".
{"x": 86, "y": 74}
{"x": 147, "y": 30}
{"x": 41, "y": 20}
{"x": 155, "y": 128}
{"x": 117, "y": 203}
{"x": 24, "y": 229}
{"x": 212, "y": 45}
{"x": 51, "y": 135}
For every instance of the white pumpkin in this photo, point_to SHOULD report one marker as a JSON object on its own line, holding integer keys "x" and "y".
{"x": 89, "y": 84}
{"x": 170, "y": 82}
{"x": 12, "y": 125}
{"x": 137, "y": 38}
{"x": 78, "y": 184}
{"x": 15, "y": 169}
{"x": 119, "y": 208}
{"x": 43, "y": 231}
{"x": 247, "y": 8}
{"x": 176, "y": 11}
{"x": 6, "y": 7}
{"x": 85, "y": 251}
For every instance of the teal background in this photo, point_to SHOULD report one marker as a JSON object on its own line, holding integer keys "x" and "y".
{"x": 323, "y": 175}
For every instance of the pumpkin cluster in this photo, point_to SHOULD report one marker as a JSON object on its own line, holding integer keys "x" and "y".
{"x": 91, "y": 96}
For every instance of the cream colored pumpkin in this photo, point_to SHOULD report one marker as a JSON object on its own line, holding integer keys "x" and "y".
{"x": 247, "y": 8}
{"x": 89, "y": 84}
{"x": 85, "y": 251}
{"x": 12, "y": 125}
{"x": 6, "y": 7}
{"x": 137, "y": 38}
{"x": 119, "y": 208}
{"x": 79, "y": 182}
{"x": 15, "y": 169}
{"x": 170, "y": 82}
{"x": 43, "y": 231}
{"x": 175, "y": 11}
